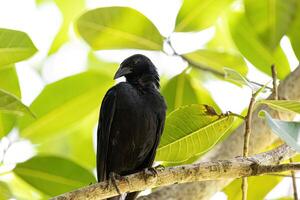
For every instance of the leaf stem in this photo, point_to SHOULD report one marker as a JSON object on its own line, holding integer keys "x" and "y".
{"x": 204, "y": 67}
{"x": 236, "y": 115}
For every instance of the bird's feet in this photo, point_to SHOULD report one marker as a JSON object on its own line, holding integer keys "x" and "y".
{"x": 152, "y": 171}
{"x": 113, "y": 177}
{"x": 159, "y": 167}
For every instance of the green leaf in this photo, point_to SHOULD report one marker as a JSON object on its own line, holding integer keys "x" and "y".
{"x": 270, "y": 19}
{"x": 288, "y": 131}
{"x": 286, "y": 198}
{"x": 258, "y": 187}
{"x": 8, "y": 82}
{"x": 254, "y": 50}
{"x": 180, "y": 90}
{"x": 14, "y": 46}
{"x": 5, "y": 192}
{"x": 39, "y": 2}
{"x": 22, "y": 190}
{"x": 222, "y": 39}
{"x": 294, "y": 32}
{"x": 191, "y": 130}
{"x": 196, "y": 15}
{"x": 95, "y": 63}
{"x": 54, "y": 175}
{"x": 119, "y": 28}
{"x": 236, "y": 77}
{"x": 283, "y": 105}
{"x": 9, "y": 103}
{"x": 218, "y": 60}
{"x": 69, "y": 11}
{"x": 62, "y": 105}
{"x": 66, "y": 145}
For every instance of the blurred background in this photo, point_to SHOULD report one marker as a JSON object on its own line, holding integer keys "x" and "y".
{"x": 65, "y": 80}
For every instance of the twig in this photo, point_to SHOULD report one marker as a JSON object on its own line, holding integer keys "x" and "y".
{"x": 236, "y": 115}
{"x": 294, "y": 182}
{"x": 247, "y": 134}
{"x": 214, "y": 170}
{"x": 274, "y": 77}
{"x": 206, "y": 68}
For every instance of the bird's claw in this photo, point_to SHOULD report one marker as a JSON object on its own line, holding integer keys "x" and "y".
{"x": 159, "y": 167}
{"x": 150, "y": 171}
{"x": 112, "y": 179}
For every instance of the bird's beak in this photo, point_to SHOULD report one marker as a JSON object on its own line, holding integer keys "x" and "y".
{"x": 122, "y": 71}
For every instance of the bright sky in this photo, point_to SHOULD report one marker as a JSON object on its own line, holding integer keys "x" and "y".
{"x": 42, "y": 23}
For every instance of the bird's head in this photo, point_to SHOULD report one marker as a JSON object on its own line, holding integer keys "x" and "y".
{"x": 138, "y": 69}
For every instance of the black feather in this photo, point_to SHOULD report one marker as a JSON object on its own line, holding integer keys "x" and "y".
{"x": 132, "y": 118}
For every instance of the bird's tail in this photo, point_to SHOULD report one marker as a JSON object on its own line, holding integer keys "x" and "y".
{"x": 115, "y": 198}
{"x": 131, "y": 196}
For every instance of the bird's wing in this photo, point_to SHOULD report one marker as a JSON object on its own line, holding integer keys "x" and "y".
{"x": 107, "y": 111}
{"x": 160, "y": 127}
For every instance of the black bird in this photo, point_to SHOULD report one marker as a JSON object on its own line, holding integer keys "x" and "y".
{"x": 131, "y": 121}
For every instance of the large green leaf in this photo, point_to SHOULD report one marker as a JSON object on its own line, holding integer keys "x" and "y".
{"x": 5, "y": 192}
{"x": 22, "y": 190}
{"x": 53, "y": 175}
{"x": 270, "y": 19}
{"x": 294, "y": 32}
{"x": 288, "y": 131}
{"x": 8, "y": 82}
{"x": 63, "y": 105}
{"x": 236, "y": 77}
{"x": 258, "y": 187}
{"x": 283, "y": 105}
{"x": 181, "y": 90}
{"x": 9, "y": 103}
{"x": 14, "y": 46}
{"x": 119, "y": 28}
{"x": 189, "y": 131}
{"x": 95, "y": 63}
{"x": 69, "y": 11}
{"x": 255, "y": 51}
{"x": 196, "y": 15}
{"x": 66, "y": 145}
{"x": 222, "y": 39}
{"x": 218, "y": 60}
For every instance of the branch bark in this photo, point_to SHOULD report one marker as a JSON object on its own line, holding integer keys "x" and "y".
{"x": 261, "y": 138}
{"x": 222, "y": 169}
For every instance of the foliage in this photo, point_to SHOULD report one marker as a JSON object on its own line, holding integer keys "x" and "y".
{"x": 60, "y": 121}
{"x": 53, "y": 175}
{"x": 190, "y": 131}
{"x": 286, "y": 130}
{"x": 11, "y": 104}
{"x": 14, "y": 46}
{"x": 283, "y": 105}
{"x": 112, "y": 28}
{"x": 10, "y": 83}
{"x": 259, "y": 187}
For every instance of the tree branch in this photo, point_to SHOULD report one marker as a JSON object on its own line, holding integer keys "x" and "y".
{"x": 204, "y": 67}
{"x": 222, "y": 169}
